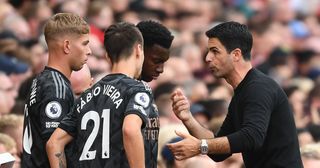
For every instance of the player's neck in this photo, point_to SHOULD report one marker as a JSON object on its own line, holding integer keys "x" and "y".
{"x": 124, "y": 67}
{"x": 61, "y": 66}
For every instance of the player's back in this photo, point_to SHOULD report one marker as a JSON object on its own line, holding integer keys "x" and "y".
{"x": 100, "y": 112}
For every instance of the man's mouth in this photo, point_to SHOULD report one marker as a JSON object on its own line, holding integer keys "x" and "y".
{"x": 155, "y": 76}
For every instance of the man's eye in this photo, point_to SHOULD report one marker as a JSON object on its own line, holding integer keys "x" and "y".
{"x": 215, "y": 51}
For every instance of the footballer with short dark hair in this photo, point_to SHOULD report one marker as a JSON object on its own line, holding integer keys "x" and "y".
{"x": 157, "y": 43}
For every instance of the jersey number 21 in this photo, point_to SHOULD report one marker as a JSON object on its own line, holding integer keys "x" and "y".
{"x": 94, "y": 116}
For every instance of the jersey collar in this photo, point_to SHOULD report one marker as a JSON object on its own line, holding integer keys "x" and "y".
{"x": 52, "y": 69}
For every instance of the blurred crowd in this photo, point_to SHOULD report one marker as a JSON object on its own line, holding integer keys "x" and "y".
{"x": 286, "y": 46}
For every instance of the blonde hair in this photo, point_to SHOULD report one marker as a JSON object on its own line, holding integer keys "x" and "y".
{"x": 7, "y": 141}
{"x": 65, "y": 23}
{"x": 10, "y": 121}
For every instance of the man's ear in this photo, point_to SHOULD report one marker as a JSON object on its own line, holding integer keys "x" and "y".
{"x": 66, "y": 46}
{"x": 236, "y": 54}
{"x": 139, "y": 50}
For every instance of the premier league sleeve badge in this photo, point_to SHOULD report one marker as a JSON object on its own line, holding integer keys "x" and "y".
{"x": 53, "y": 109}
{"x": 142, "y": 99}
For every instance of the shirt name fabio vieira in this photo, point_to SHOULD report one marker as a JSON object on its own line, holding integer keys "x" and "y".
{"x": 108, "y": 90}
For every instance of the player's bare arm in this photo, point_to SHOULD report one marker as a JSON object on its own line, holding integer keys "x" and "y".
{"x": 62, "y": 159}
{"x": 133, "y": 141}
{"x": 181, "y": 108}
{"x": 55, "y": 148}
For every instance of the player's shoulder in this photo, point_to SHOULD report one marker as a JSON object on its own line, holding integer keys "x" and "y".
{"x": 125, "y": 83}
{"x": 121, "y": 80}
{"x": 140, "y": 86}
{"x": 53, "y": 83}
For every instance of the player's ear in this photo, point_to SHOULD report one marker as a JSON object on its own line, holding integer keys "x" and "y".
{"x": 66, "y": 46}
{"x": 139, "y": 50}
{"x": 236, "y": 54}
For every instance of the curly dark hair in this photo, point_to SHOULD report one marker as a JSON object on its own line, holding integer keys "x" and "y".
{"x": 155, "y": 33}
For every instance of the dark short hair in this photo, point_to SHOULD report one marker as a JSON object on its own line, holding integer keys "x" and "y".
{"x": 155, "y": 33}
{"x": 119, "y": 40}
{"x": 233, "y": 35}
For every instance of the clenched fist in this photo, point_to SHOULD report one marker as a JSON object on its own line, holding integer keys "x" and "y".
{"x": 180, "y": 105}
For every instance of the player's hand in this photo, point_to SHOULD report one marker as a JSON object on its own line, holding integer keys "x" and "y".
{"x": 186, "y": 148}
{"x": 180, "y": 105}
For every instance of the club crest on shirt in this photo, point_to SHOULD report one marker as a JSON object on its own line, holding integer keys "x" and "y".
{"x": 53, "y": 109}
{"x": 142, "y": 99}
